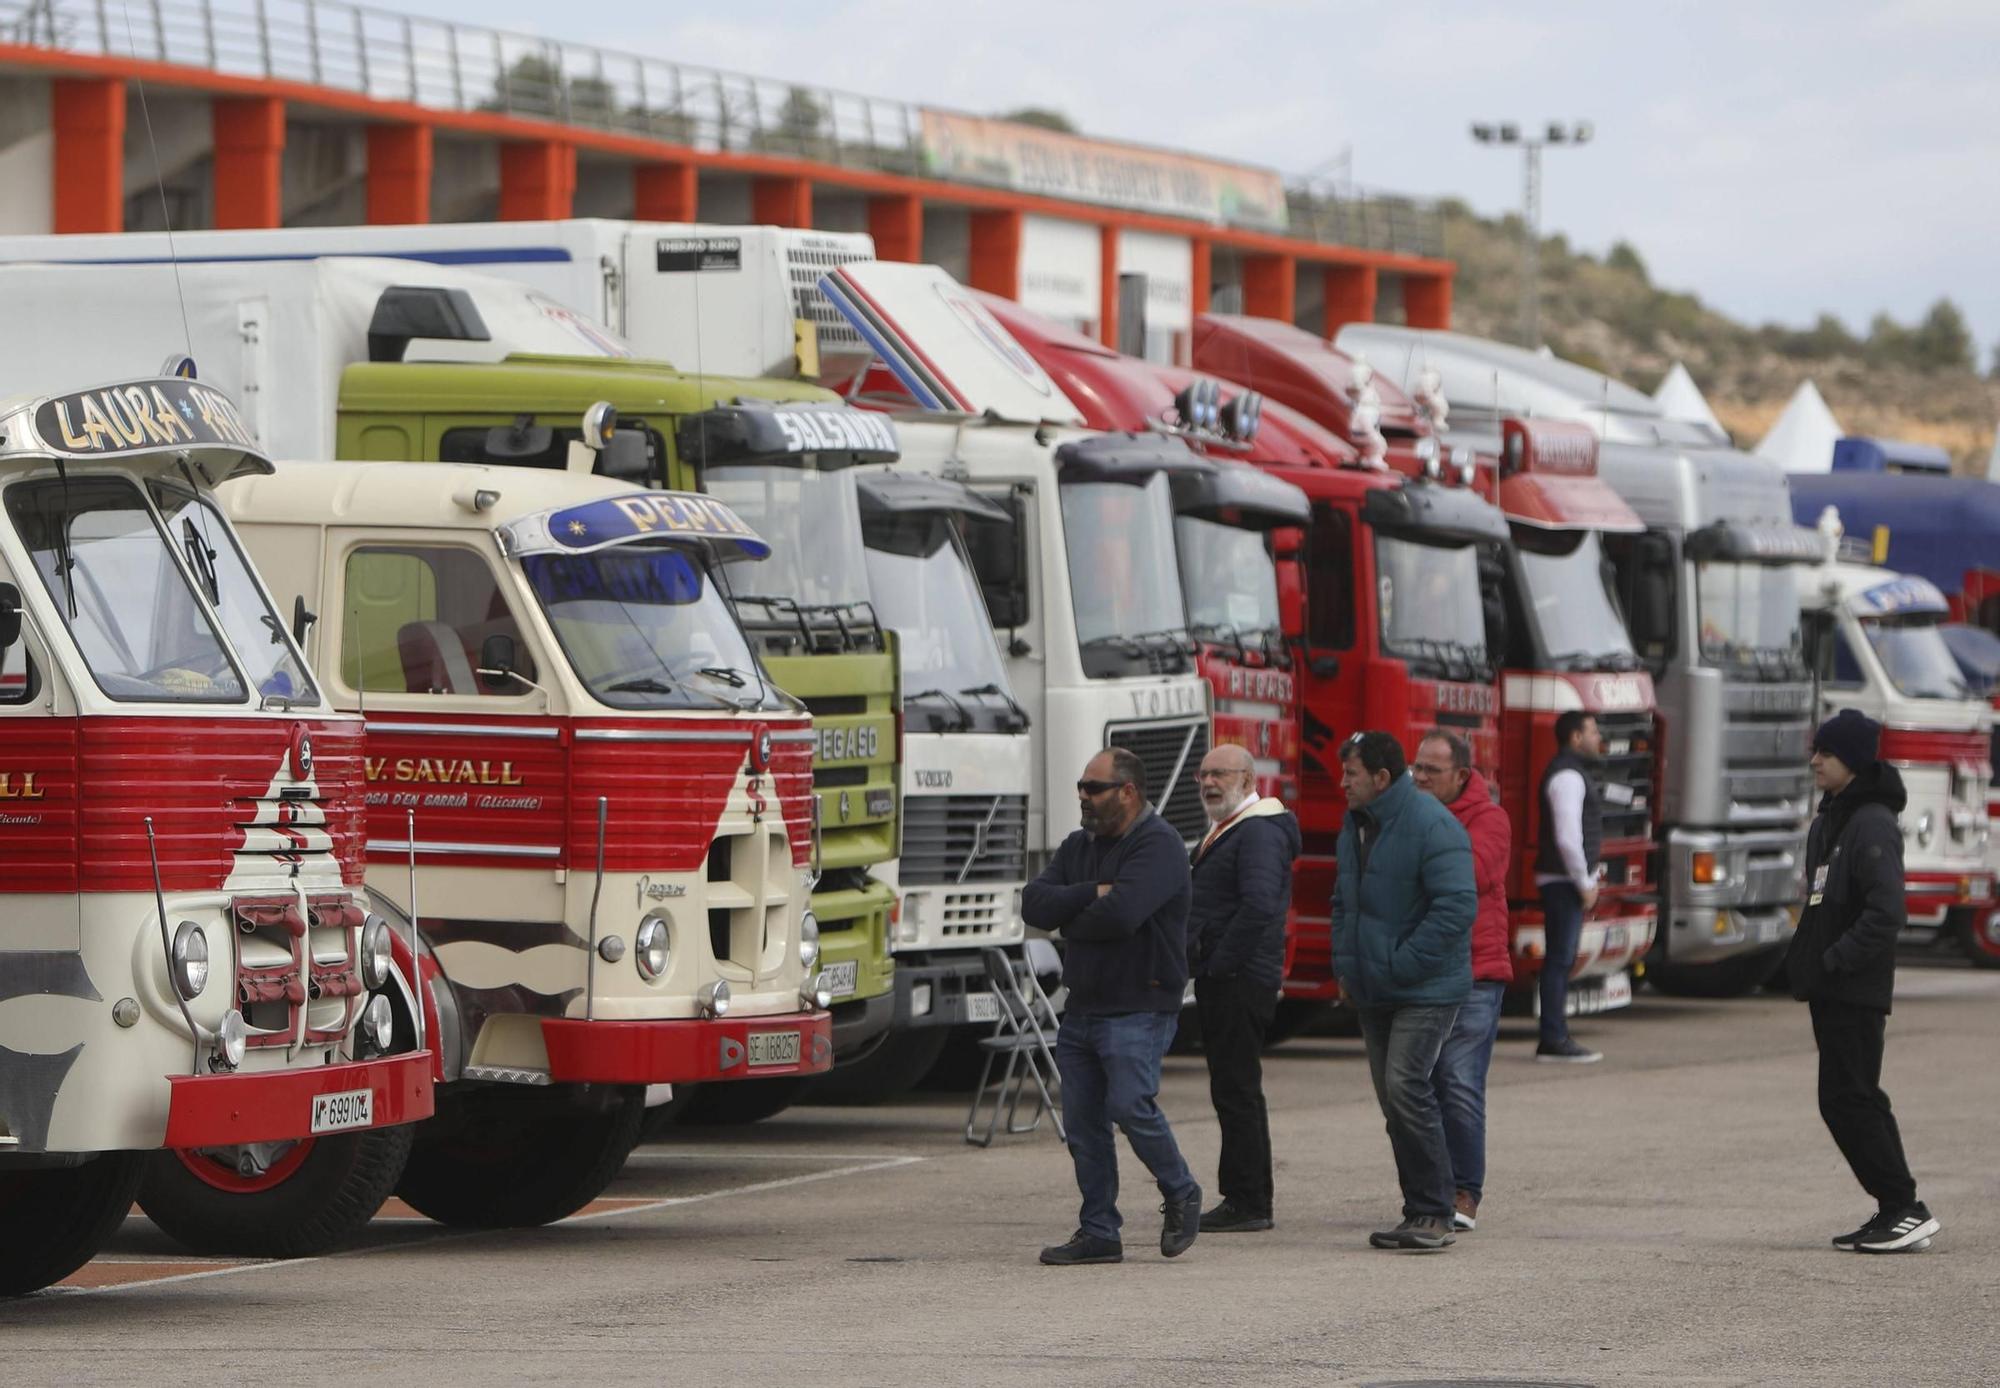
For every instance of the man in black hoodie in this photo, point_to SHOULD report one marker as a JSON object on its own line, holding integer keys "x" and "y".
{"x": 1117, "y": 892}
{"x": 1236, "y": 953}
{"x": 1842, "y": 963}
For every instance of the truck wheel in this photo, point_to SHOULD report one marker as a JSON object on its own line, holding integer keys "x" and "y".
{"x": 57, "y": 1219}
{"x": 1294, "y": 1017}
{"x": 893, "y": 1067}
{"x": 313, "y": 1195}
{"x": 741, "y": 1101}
{"x": 1726, "y": 978}
{"x": 1982, "y": 939}
{"x": 509, "y": 1165}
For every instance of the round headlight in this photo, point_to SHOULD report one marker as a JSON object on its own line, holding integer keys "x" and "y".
{"x": 190, "y": 960}
{"x": 379, "y": 1020}
{"x": 713, "y": 999}
{"x": 1926, "y": 829}
{"x": 375, "y": 953}
{"x": 649, "y": 948}
{"x": 232, "y": 1038}
{"x": 808, "y": 940}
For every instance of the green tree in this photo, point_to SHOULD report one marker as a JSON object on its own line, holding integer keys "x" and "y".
{"x": 1041, "y": 117}
{"x": 1942, "y": 342}
{"x": 800, "y": 116}
{"x": 1622, "y": 256}
{"x": 1888, "y": 341}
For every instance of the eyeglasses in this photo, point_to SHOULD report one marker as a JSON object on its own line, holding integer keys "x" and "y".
{"x": 1095, "y": 788}
{"x": 1424, "y": 768}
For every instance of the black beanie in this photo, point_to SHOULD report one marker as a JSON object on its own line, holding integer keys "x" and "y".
{"x": 1852, "y": 736}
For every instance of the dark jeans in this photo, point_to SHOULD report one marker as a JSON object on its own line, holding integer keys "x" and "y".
{"x": 1403, "y": 1046}
{"x": 1851, "y": 1100}
{"x": 1234, "y": 1017}
{"x": 1562, "y": 931}
{"x": 1110, "y": 1067}
{"x": 1460, "y": 1082}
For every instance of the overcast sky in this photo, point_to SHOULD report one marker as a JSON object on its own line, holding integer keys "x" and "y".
{"x": 1778, "y": 159}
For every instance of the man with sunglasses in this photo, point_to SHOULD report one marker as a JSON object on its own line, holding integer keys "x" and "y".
{"x": 1117, "y": 892}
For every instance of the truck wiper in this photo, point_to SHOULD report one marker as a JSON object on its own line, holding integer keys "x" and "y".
{"x": 645, "y": 684}
{"x": 723, "y": 673}
{"x": 1224, "y": 634}
{"x": 1128, "y": 644}
{"x": 997, "y": 692}
{"x": 966, "y": 720}
{"x": 1177, "y": 637}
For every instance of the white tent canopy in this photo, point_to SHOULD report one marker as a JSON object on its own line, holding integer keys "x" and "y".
{"x": 1993, "y": 459}
{"x": 1803, "y": 438}
{"x": 1680, "y": 398}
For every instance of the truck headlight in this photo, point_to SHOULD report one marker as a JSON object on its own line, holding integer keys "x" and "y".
{"x": 1926, "y": 829}
{"x": 808, "y": 940}
{"x": 375, "y": 953}
{"x": 650, "y": 948}
{"x": 378, "y": 1019}
{"x": 190, "y": 960}
{"x": 816, "y": 992}
{"x": 713, "y": 999}
{"x": 232, "y": 1039}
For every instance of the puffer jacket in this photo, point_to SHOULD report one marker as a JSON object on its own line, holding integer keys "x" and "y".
{"x": 1492, "y": 836}
{"x": 1403, "y": 902}
{"x": 1845, "y": 947}
{"x": 1242, "y": 894}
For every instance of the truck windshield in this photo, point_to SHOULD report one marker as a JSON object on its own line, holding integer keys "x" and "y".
{"x": 647, "y": 628}
{"x": 1123, "y": 584}
{"x": 254, "y": 630}
{"x": 817, "y": 575}
{"x": 135, "y": 619}
{"x": 1749, "y": 615}
{"x": 1229, "y": 583}
{"x": 924, "y": 590}
{"x": 1430, "y": 612}
{"x": 1567, "y": 595}
{"x": 1913, "y": 652}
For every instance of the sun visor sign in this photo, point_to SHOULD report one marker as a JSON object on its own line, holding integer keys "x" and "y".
{"x": 749, "y": 433}
{"x": 140, "y": 416}
{"x": 631, "y": 518}
{"x": 1907, "y": 593}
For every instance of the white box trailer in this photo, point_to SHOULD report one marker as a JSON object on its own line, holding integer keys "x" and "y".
{"x": 721, "y": 300}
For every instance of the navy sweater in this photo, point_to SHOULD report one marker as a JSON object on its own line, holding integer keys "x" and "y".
{"x": 1125, "y": 951}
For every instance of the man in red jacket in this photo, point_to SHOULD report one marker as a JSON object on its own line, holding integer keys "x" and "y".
{"x": 1444, "y": 768}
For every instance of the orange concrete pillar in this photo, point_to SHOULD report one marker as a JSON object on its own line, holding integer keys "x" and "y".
{"x": 1427, "y": 301}
{"x": 781, "y": 202}
{"x": 1270, "y": 286}
{"x": 1349, "y": 296}
{"x": 399, "y": 174}
{"x": 537, "y": 180}
{"x": 1201, "y": 277}
{"x": 996, "y": 252}
{"x": 665, "y": 192}
{"x": 249, "y": 161}
{"x": 1107, "y": 286}
{"x": 896, "y": 221}
{"x": 89, "y": 119}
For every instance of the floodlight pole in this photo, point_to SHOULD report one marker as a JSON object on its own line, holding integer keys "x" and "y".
{"x": 1509, "y": 133}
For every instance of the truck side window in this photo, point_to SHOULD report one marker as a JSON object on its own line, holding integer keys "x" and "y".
{"x": 638, "y": 454}
{"x": 1828, "y": 651}
{"x": 1330, "y": 580}
{"x": 416, "y": 618}
{"x": 999, "y": 552}
{"x": 19, "y": 681}
{"x": 1846, "y": 669}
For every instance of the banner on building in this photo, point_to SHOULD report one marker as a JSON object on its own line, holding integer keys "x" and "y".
{"x": 975, "y": 149}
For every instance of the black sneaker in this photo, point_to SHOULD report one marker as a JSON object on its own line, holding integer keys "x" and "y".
{"x": 1182, "y": 1223}
{"x": 1231, "y": 1218}
{"x": 1084, "y": 1248}
{"x": 1423, "y": 1232}
{"x": 1566, "y": 1052}
{"x": 1850, "y": 1241}
{"x": 1903, "y": 1231}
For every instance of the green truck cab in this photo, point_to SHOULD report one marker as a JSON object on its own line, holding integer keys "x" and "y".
{"x": 525, "y": 411}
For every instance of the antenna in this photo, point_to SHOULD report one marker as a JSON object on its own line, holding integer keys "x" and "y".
{"x": 159, "y": 183}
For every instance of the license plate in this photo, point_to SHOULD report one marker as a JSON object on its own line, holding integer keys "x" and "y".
{"x": 334, "y": 1112}
{"x": 1618, "y": 991}
{"x": 982, "y": 1007}
{"x": 840, "y": 978}
{"x": 774, "y": 1048}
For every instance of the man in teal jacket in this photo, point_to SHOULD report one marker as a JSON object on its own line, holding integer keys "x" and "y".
{"x": 1403, "y": 906}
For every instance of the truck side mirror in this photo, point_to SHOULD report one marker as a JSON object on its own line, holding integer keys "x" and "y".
{"x": 496, "y": 658}
{"x": 10, "y": 615}
{"x": 625, "y": 457}
{"x": 302, "y": 620}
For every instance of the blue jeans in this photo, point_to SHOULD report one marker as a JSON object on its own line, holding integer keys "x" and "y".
{"x": 1460, "y": 1082}
{"x": 1562, "y": 932}
{"x": 1403, "y": 1046}
{"x": 1110, "y": 1067}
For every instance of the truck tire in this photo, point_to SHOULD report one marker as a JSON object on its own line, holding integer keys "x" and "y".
{"x": 741, "y": 1101}
{"x": 1981, "y": 938}
{"x": 1727, "y": 978}
{"x": 509, "y": 1164}
{"x": 891, "y": 1069}
{"x": 318, "y": 1194}
{"x": 57, "y": 1219}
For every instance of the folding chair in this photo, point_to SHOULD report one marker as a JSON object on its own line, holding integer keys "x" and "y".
{"x": 1024, "y": 1035}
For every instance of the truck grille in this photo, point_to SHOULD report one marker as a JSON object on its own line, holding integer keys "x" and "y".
{"x": 1628, "y": 761}
{"x": 973, "y": 916}
{"x": 1765, "y": 772}
{"x": 1168, "y": 748}
{"x": 948, "y": 839}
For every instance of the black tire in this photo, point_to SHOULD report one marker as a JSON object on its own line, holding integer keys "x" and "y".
{"x": 741, "y": 1101}
{"x": 1294, "y": 1017}
{"x": 890, "y": 1070}
{"x": 1980, "y": 938}
{"x": 505, "y": 1161}
{"x": 56, "y": 1220}
{"x": 1726, "y": 978}
{"x": 320, "y": 1204}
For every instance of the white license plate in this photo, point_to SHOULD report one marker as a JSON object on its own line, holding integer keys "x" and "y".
{"x": 333, "y": 1113}
{"x": 1618, "y": 991}
{"x": 982, "y": 1007}
{"x": 774, "y": 1048}
{"x": 840, "y": 979}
